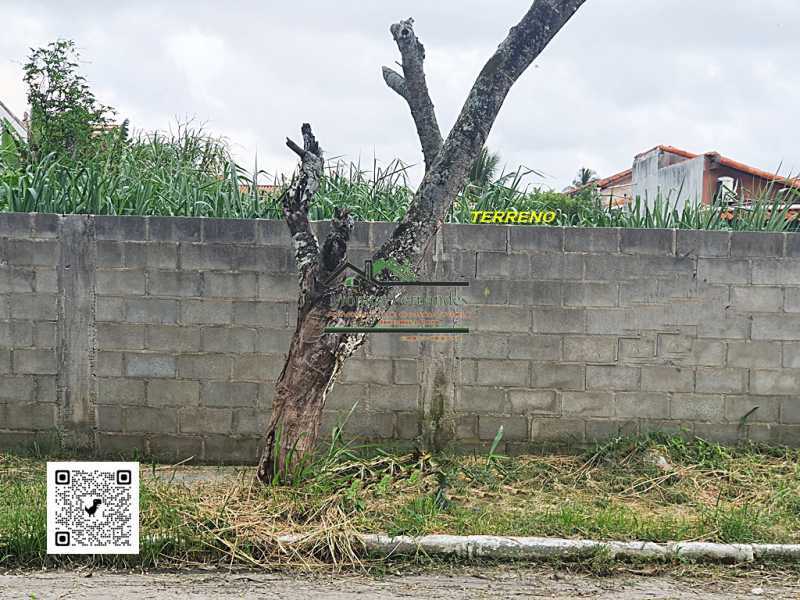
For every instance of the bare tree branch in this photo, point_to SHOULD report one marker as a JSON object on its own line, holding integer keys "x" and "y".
{"x": 334, "y": 250}
{"x": 413, "y": 87}
{"x": 296, "y": 200}
{"x": 441, "y": 183}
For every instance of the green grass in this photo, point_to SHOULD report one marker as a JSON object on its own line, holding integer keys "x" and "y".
{"x": 187, "y": 172}
{"x": 616, "y": 491}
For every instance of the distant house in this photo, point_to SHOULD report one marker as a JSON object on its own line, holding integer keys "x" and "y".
{"x": 6, "y": 116}
{"x": 684, "y": 177}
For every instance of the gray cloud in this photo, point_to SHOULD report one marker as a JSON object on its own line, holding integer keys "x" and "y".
{"x": 621, "y": 77}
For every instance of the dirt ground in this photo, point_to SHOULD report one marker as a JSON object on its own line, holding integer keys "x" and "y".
{"x": 489, "y": 583}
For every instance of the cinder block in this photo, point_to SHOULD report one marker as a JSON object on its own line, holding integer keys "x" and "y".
{"x": 530, "y": 293}
{"x": 374, "y": 370}
{"x": 44, "y": 225}
{"x": 173, "y": 338}
{"x": 757, "y": 299}
{"x": 502, "y": 265}
{"x": 5, "y": 361}
{"x": 709, "y": 353}
{"x": 791, "y": 299}
{"x": 405, "y": 371}
{"x": 591, "y": 294}
{"x": 667, "y": 379}
{"x": 637, "y": 350}
{"x": 480, "y": 345}
{"x": 776, "y": 271}
{"x": 206, "y": 420}
{"x": 156, "y": 255}
{"x": 754, "y": 354}
{"x": 272, "y": 232}
{"x": 559, "y": 267}
{"x": 116, "y": 336}
{"x": 776, "y": 327}
{"x": 588, "y": 404}
{"x": 791, "y": 246}
{"x": 537, "y": 239}
{"x": 110, "y": 254}
{"x": 46, "y": 280}
{"x": 119, "y": 283}
{"x": 558, "y": 376}
{"x": 591, "y": 239}
{"x": 146, "y": 419}
{"x": 231, "y": 285}
{"x": 119, "y": 445}
{"x": 174, "y": 229}
{"x": 242, "y": 231}
{"x": 110, "y": 418}
{"x": 250, "y": 421}
{"x": 633, "y": 293}
{"x": 15, "y": 224}
{"x": 13, "y": 279}
{"x": 407, "y": 426}
{"x": 229, "y": 395}
{"x": 610, "y": 267}
{"x": 238, "y": 340}
{"x": 471, "y": 399}
{"x": 151, "y": 310}
{"x": 721, "y": 381}
{"x": 395, "y": 346}
{"x": 641, "y": 405}
{"x": 149, "y": 365}
{"x": 35, "y": 416}
{"x": 119, "y": 391}
{"x": 791, "y": 355}
{"x": 41, "y": 362}
{"x": 108, "y": 364}
{"x": 590, "y": 348}
{"x": 559, "y": 320}
{"x": 120, "y": 228}
{"x": 175, "y": 448}
{"x": 612, "y": 378}
{"x": 753, "y": 409}
{"x": 16, "y": 389}
{"x": 703, "y": 243}
{"x": 610, "y": 321}
{"x": 34, "y": 307}
{"x": 212, "y": 312}
{"x": 725, "y": 433}
{"x": 756, "y": 243}
{"x": 277, "y": 286}
{"x": 730, "y": 327}
{"x": 603, "y": 429}
{"x": 166, "y": 392}
{"x": 561, "y": 431}
{"x": 790, "y": 410}
{"x": 205, "y": 366}
{"x": 370, "y": 426}
{"x": 343, "y": 396}
{"x": 467, "y": 236}
{"x": 258, "y": 367}
{"x": 654, "y": 242}
{"x": 503, "y": 372}
{"x": 273, "y": 341}
{"x": 265, "y": 314}
{"x": 237, "y": 450}
{"x": 774, "y": 382}
{"x": 723, "y": 270}
{"x": 514, "y": 428}
{"x": 45, "y": 388}
{"x": 16, "y": 334}
{"x": 393, "y": 397}
{"x": 32, "y": 252}
{"x": 537, "y": 347}
{"x": 109, "y": 309}
{"x": 697, "y": 407}
{"x": 174, "y": 283}
{"x": 534, "y": 402}
{"x": 501, "y": 318}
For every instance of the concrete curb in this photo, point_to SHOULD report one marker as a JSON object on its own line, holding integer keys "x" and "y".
{"x": 535, "y": 548}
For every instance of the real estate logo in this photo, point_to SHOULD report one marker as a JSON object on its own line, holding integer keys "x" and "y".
{"x": 403, "y": 275}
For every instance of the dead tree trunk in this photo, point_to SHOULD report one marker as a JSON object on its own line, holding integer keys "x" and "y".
{"x": 315, "y": 357}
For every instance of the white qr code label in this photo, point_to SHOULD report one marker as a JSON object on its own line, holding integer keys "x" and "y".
{"x": 92, "y": 507}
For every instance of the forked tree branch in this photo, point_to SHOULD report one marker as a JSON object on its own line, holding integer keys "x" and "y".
{"x": 414, "y": 89}
{"x": 444, "y": 179}
{"x": 296, "y": 200}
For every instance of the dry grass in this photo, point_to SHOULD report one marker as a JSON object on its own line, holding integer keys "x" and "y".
{"x": 657, "y": 488}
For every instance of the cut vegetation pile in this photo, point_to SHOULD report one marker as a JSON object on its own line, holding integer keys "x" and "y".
{"x": 656, "y": 488}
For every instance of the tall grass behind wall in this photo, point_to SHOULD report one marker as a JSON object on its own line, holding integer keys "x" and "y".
{"x": 186, "y": 172}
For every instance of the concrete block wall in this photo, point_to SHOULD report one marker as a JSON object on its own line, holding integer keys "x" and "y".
{"x": 163, "y": 336}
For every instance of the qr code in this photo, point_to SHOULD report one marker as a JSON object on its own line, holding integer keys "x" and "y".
{"x": 92, "y": 508}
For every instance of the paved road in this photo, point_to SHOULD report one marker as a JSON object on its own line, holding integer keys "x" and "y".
{"x": 487, "y": 584}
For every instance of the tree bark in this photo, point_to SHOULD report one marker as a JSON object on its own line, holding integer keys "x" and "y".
{"x": 315, "y": 358}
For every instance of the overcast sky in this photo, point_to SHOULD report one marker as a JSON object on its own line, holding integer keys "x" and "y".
{"x": 621, "y": 77}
